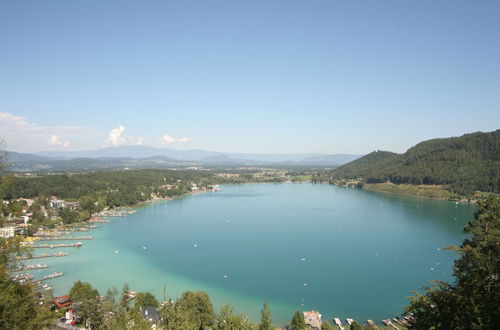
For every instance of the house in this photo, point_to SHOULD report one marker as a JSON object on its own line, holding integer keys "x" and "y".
{"x": 70, "y": 317}
{"x": 62, "y": 301}
{"x": 313, "y": 319}
{"x": 72, "y": 205}
{"x": 28, "y": 201}
{"x": 57, "y": 203}
{"x": 7, "y": 232}
{"x": 150, "y": 314}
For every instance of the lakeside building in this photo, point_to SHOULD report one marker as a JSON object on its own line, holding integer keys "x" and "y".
{"x": 313, "y": 319}
{"x": 7, "y": 232}
{"x": 57, "y": 203}
{"x": 151, "y": 315}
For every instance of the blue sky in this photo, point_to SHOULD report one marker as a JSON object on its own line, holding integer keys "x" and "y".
{"x": 247, "y": 76}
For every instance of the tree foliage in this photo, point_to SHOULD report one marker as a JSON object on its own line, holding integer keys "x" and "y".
{"x": 81, "y": 291}
{"x": 325, "y": 325}
{"x": 298, "y": 322}
{"x": 146, "y": 299}
{"x": 227, "y": 320}
{"x": 466, "y": 164}
{"x": 119, "y": 187}
{"x": 198, "y": 307}
{"x": 19, "y": 308}
{"x": 473, "y": 301}
{"x": 265, "y": 318}
{"x": 356, "y": 326}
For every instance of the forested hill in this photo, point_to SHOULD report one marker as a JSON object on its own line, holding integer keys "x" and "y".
{"x": 467, "y": 163}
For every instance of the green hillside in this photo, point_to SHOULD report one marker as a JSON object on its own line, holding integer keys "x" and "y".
{"x": 464, "y": 164}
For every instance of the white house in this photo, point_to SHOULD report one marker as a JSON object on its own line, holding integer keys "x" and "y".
{"x": 7, "y": 232}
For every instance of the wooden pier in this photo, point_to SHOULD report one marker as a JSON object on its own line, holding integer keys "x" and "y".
{"x": 31, "y": 267}
{"x": 99, "y": 220}
{"x": 66, "y": 238}
{"x": 49, "y": 277}
{"x": 45, "y": 255}
{"x": 337, "y": 322}
{"x": 371, "y": 324}
{"x": 55, "y": 246}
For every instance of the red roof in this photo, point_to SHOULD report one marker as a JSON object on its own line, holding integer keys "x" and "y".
{"x": 62, "y": 301}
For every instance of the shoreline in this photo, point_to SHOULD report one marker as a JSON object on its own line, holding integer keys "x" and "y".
{"x": 415, "y": 196}
{"x": 461, "y": 201}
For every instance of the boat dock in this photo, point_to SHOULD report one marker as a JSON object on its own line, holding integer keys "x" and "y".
{"x": 46, "y": 287}
{"x": 371, "y": 324}
{"x": 99, "y": 220}
{"x": 388, "y": 322}
{"x": 45, "y": 255}
{"x": 401, "y": 322}
{"x": 66, "y": 238}
{"x": 21, "y": 278}
{"x": 31, "y": 267}
{"x": 116, "y": 213}
{"x": 337, "y": 322}
{"x": 49, "y": 277}
{"x": 54, "y": 246}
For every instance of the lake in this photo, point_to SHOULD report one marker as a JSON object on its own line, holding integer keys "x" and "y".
{"x": 343, "y": 251}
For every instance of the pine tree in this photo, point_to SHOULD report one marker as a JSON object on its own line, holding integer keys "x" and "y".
{"x": 298, "y": 322}
{"x": 265, "y": 319}
{"x": 325, "y": 325}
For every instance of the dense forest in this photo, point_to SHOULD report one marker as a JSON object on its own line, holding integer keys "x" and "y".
{"x": 74, "y": 186}
{"x": 465, "y": 164}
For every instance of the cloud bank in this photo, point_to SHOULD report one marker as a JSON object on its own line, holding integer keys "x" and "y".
{"x": 168, "y": 140}
{"x": 20, "y": 134}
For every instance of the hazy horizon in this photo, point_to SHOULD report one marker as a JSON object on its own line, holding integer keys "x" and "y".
{"x": 175, "y": 149}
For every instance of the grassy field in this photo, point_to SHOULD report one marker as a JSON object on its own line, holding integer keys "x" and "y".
{"x": 300, "y": 178}
{"x": 424, "y": 191}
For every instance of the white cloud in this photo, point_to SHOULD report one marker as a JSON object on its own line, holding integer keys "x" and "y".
{"x": 168, "y": 140}
{"x": 22, "y": 135}
{"x": 55, "y": 141}
{"x": 115, "y": 137}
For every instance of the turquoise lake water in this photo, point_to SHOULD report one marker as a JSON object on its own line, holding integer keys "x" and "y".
{"x": 365, "y": 252}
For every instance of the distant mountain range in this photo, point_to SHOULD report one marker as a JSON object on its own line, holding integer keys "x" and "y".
{"x": 151, "y": 157}
{"x": 197, "y": 155}
{"x": 465, "y": 164}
